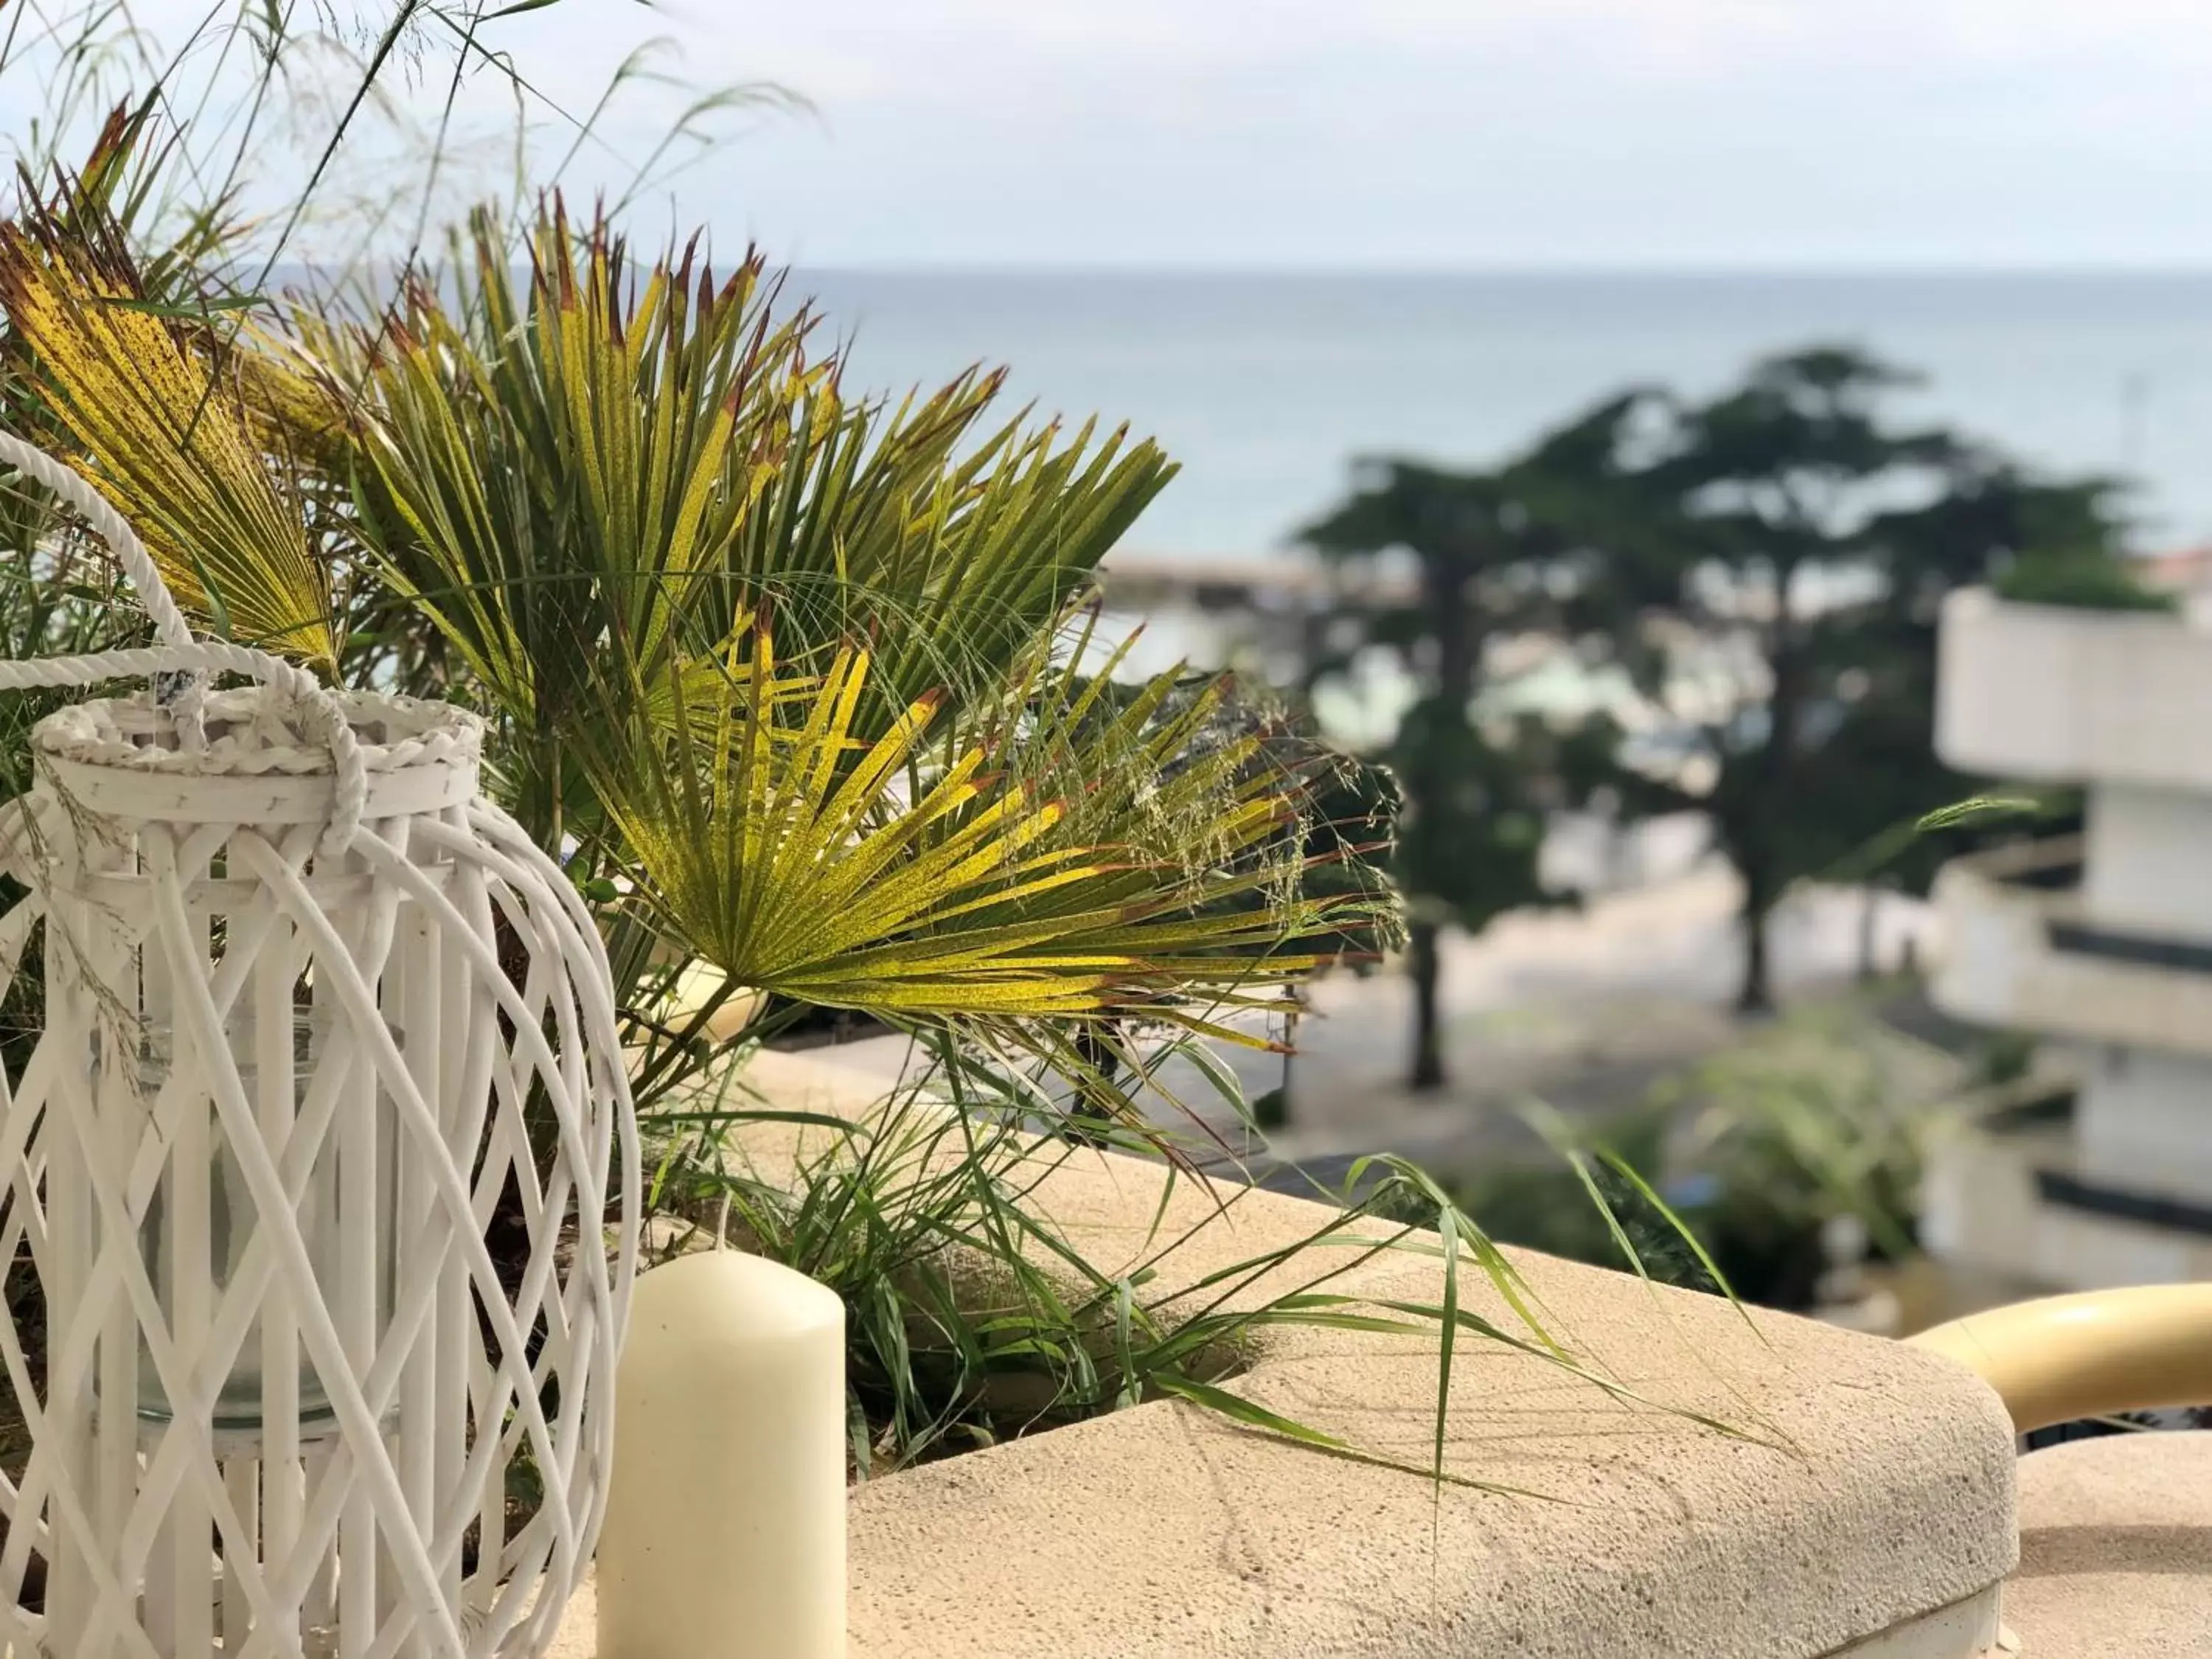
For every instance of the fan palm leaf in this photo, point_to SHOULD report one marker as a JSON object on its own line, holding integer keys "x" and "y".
{"x": 549, "y": 462}
{"x": 785, "y": 660}
{"x": 163, "y": 430}
{"x": 586, "y": 454}
{"x": 804, "y": 859}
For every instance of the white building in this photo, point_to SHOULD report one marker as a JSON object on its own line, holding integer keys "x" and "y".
{"x": 2102, "y": 943}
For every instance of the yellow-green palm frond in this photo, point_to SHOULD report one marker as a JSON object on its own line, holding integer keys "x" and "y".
{"x": 551, "y": 462}
{"x": 593, "y": 450}
{"x": 291, "y": 406}
{"x": 166, "y": 435}
{"x": 883, "y": 873}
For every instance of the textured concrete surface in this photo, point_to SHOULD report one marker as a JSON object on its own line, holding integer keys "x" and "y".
{"x": 1857, "y": 1486}
{"x": 2115, "y": 1549}
{"x": 1875, "y": 1487}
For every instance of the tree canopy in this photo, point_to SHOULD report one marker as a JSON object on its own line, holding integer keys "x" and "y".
{"x": 1765, "y": 567}
{"x": 1792, "y": 542}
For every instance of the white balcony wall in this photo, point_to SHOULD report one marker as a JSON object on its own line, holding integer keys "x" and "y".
{"x": 2143, "y": 1122}
{"x": 1998, "y": 967}
{"x": 2150, "y": 861}
{"x": 1984, "y": 1214}
{"x": 2039, "y": 691}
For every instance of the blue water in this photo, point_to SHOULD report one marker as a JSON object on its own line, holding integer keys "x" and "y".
{"x": 1265, "y": 386}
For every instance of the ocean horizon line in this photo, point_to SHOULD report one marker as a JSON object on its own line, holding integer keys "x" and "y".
{"x": 1846, "y": 272}
{"x": 1513, "y": 275}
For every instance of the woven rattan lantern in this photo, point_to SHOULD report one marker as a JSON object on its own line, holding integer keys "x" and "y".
{"x": 315, "y": 1010}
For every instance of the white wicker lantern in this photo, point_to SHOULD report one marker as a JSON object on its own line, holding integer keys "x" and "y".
{"x": 313, "y": 1009}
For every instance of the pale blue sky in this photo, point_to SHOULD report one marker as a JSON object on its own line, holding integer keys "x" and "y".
{"x": 1432, "y": 133}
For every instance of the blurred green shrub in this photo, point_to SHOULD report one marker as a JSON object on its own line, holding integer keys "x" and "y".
{"x": 1821, "y": 1115}
{"x": 2086, "y": 581}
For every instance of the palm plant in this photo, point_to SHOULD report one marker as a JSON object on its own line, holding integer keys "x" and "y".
{"x": 776, "y": 673}
{"x": 781, "y": 667}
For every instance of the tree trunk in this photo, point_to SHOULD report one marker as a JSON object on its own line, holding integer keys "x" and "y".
{"x": 1756, "y": 995}
{"x": 1426, "y": 969}
{"x": 1446, "y": 581}
{"x": 1869, "y": 940}
{"x": 1087, "y": 1121}
{"x": 1758, "y": 840}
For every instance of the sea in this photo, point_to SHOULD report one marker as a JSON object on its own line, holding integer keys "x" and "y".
{"x": 1266, "y": 387}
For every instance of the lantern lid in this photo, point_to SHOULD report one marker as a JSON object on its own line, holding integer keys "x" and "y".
{"x": 124, "y": 757}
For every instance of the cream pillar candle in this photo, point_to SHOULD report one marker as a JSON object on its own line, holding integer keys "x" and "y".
{"x": 725, "y": 1534}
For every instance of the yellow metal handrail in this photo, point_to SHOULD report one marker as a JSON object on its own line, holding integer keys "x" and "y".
{"x": 2066, "y": 1358}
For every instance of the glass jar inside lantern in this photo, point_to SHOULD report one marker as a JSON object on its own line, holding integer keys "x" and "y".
{"x": 201, "y": 1217}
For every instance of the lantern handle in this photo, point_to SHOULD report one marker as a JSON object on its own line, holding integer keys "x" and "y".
{"x": 177, "y": 652}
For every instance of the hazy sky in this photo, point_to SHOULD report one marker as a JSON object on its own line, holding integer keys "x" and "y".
{"x": 1438, "y": 133}
{"x": 1473, "y": 132}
